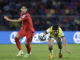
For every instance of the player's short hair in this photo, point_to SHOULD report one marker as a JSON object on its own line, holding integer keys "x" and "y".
{"x": 24, "y": 4}
{"x": 55, "y": 27}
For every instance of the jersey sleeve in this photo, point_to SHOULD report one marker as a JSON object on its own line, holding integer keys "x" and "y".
{"x": 49, "y": 30}
{"x": 61, "y": 34}
{"x": 26, "y": 16}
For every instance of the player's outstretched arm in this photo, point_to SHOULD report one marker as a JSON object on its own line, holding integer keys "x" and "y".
{"x": 65, "y": 45}
{"x": 12, "y": 20}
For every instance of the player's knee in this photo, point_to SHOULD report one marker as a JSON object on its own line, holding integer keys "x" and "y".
{"x": 50, "y": 47}
{"x": 27, "y": 44}
{"x": 16, "y": 39}
{"x": 60, "y": 46}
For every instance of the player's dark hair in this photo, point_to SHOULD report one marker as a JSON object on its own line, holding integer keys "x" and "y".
{"x": 55, "y": 27}
{"x": 24, "y": 4}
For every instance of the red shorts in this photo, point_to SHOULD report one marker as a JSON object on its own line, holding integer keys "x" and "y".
{"x": 29, "y": 35}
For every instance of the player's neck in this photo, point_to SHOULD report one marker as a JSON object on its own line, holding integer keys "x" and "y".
{"x": 23, "y": 13}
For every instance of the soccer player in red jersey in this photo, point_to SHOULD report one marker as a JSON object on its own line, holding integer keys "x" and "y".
{"x": 26, "y": 30}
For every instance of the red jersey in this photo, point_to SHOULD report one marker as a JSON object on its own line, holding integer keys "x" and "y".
{"x": 27, "y": 24}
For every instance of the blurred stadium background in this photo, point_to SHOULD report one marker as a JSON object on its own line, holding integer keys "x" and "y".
{"x": 43, "y": 13}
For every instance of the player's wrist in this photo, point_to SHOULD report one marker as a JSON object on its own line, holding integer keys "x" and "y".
{"x": 9, "y": 19}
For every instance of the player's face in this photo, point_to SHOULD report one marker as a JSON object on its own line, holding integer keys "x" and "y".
{"x": 23, "y": 9}
{"x": 55, "y": 32}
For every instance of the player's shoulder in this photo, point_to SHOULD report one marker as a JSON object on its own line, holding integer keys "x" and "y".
{"x": 60, "y": 28}
{"x": 27, "y": 14}
{"x": 61, "y": 33}
{"x": 50, "y": 28}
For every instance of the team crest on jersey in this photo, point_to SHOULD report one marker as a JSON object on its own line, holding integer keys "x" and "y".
{"x": 62, "y": 33}
{"x": 23, "y": 16}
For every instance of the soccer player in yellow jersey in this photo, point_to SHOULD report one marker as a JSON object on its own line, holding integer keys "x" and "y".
{"x": 57, "y": 34}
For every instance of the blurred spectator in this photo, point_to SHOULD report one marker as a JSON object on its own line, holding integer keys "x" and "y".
{"x": 43, "y": 13}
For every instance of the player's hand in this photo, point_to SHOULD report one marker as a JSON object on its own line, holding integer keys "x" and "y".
{"x": 6, "y": 18}
{"x": 67, "y": 51}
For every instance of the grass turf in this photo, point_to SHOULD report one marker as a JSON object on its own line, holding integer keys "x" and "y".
{"x": 39, "y": 52}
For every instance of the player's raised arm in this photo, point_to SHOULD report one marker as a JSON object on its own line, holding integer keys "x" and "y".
{"x": 65, "y": 45}
{"x": 12, "y": 20}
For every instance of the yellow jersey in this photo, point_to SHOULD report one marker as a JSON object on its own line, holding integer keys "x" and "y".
{"x": 50, "y": 30}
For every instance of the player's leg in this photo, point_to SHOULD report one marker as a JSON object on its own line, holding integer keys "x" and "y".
{"x": 50, "y": 45}
{"x": 17, "y": 38}
{"x": 28, "y": 42}
{"x": 28, "y": 47}
{"x": 60, "y": 47}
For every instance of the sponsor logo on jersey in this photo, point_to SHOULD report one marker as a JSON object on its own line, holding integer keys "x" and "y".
{"x": 62, "y": 33}
{"x": 23, "y": 16}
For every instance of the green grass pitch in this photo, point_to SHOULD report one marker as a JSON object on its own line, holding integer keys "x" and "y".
{"x": 39, "y": 52}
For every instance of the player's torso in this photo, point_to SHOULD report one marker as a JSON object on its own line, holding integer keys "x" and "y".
{"x": 26, "y": 22}
{"x": 59, "y": 33}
